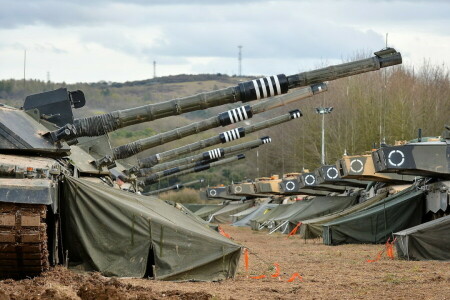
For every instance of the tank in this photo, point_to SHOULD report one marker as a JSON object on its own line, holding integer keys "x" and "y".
{"x": 246, "y": 188}
{"x": 428, "y": 157}
{"x": 37, "y": 146}
{"x": 309, "y": 181}
{"x": 329, "y": 174}
{"x": 223, "y": 119}
{"x": 220, "y": 193}
{"x": 361, "y": 167}
{"x": 268, "y": 185}
{"x": 31, "y": 167}
{"x": 297, "y": 184}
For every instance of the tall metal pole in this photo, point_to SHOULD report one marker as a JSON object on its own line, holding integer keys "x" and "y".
{"x": 323, "y": 139}
{"x": 322, "y": 111}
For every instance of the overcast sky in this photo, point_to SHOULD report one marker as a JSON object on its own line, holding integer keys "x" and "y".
{"x": 89, "y": 41}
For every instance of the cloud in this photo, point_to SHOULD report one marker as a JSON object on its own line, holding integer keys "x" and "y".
{"x": 199, "y": 36}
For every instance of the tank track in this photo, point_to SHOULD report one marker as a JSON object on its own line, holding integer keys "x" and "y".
{"x": 23, "y": 240}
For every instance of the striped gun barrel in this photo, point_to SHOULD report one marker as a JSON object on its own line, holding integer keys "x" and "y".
{"x": 246, "y": 91}
{"x": 223, "y": 137}
{"x": 196, "y": 169}
{"x": 174, "y": 187}
{"x": 211, "y": 156}
{"x": 207, "y": 155}
{"x": 223, "y": 119}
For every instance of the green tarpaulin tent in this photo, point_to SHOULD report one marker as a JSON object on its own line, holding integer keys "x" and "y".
{"x": 377, "y": 223}
{"x": 122, "y": 234}
{"x": 259, "y": 222}
{"x": 312, "y": 228}
{"x": 261, "y": 210}
{"x": 240, "y": 215}
{"x": 224, "y": 215}
{"x": 316, "y": 207}
{"x": 206, "y": 211}
{"x": 427, "y": 241}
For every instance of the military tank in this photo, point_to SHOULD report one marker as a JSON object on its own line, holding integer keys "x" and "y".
{"x": 428, "y": 157}
{"x": 361, "y": 167}
{"x": 37, "y": 151}
{"x": 329, "y": 174}
{"x": 268, "y": 185}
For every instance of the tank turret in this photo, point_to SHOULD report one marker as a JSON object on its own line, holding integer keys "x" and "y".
{"x": 294, "y": 184}
{"x": 246, "y": 188}
{"x": 329, "y": 174}
{"x": 220, "y": 192}
{"x": 268, "y": 185}
{"x": 428, "y": 158}
{"x": 361, "y": 167}
{"x": 247, "y": 91}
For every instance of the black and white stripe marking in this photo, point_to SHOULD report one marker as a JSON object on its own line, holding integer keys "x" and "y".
{"x": 232, "y": 135}
{"x": 295, "y": 114}
{"x": 235, "y": 115}
{"x": 266, "y": 140}
{"x": 213, "y": 154}
{"x": 263, "y": 87}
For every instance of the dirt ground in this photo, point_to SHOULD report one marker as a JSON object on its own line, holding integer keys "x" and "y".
{"x": 328, "y": 272}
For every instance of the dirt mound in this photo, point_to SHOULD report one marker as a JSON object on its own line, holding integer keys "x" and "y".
{"x": 61, "y": 284}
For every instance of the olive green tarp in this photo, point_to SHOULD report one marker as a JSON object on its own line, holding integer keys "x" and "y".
{"x": 187, "y": 211}
{"x": 377, "y": 223}
{"x": 195, "y": 206}
{"x": 312, "y": 228}
{"x": 312, "y": 208}
{"x": 236, "y": 217}
{"x": 261, "y": 221}
{"x": 224, "y": 215}
{"x": 261, "y": 210}
{"x": 428, "y": 241}
{"x": 206, "y": 211}
{"x": 119, "y": 234}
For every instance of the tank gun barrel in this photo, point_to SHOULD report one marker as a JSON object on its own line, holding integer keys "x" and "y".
{"x": 224, "y": 137}
{"x": 174, "y": 187}
{"x": 207, "y": 155}
{"x": 223, "y": 119}
{"x": 209, "y": 159}
{"x": 196, "y": 169}
{"x": 247, "y": 91}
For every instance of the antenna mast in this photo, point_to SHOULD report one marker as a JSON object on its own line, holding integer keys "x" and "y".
{"x": 240, "y": 60}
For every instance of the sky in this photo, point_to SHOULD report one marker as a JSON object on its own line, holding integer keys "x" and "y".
{"x": 118, "y": 40}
